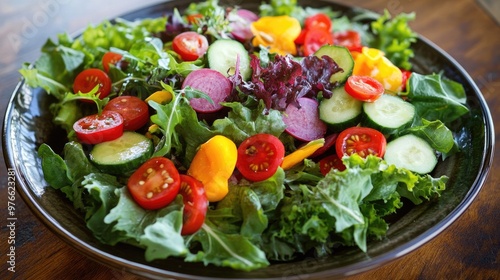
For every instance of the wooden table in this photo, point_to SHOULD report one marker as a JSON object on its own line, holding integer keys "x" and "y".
{"x": 468, "y": 249}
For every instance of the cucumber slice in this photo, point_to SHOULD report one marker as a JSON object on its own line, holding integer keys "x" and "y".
{"x": 411, "y": 152}
{"x": 342, "y": 56}
{"x": 388, "y": 114}
{"x": 222, "y": 55}
{"x": 341, "y": 110}
{"x": 122, "y": 155}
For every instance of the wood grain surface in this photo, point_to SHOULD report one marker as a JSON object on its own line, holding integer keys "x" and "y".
{"x": 468, "y": 249}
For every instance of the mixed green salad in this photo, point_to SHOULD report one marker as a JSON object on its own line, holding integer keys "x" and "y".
{"x": 240, "y": 138}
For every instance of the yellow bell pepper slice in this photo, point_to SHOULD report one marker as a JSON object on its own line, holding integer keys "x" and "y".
{"x": 161, "y": 96}
{"x": 277, "y": 33}
{"x": 302, "y": 153}
{"x": 213, "y": 165}
{"x": 372, "y": 62}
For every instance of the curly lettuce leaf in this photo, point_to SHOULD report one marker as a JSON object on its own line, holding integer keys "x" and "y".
{"x": 394, "y": 37}
{"x": 243, "y": 122}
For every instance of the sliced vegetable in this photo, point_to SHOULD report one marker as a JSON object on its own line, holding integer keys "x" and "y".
{"x": 302, "y": 121}
{"x": 329, "y": 143}
{"x": 224, "y": 54}
{"x": 342, "y": 56}
{"x": 363, "y": 141}
{"x": 212, "y": 83}
{"x": 123, "y": 154}
{"x": 302, "y": 153}
{"x": 155, "y": 183}
{"x": 240, "y": 24}
{"x": 331, "y": 162}
{"x": 97, "y": 128}
{"x": 318, "y": 21}
{"x": 134, "y": 111}
{"x": 190, "y": 45}
{"x": 412, "y": 153}
{"x": 364, "y": 88}
{"x": 88, "y": 79}
{"x": 213, "y": 164}
{"x": 110, "y": 58}
{"x": 388, "y": 114}
{"x": 195, "y": 204}
{"x": 259, "y": 156}
{"x": 341, "y": 110}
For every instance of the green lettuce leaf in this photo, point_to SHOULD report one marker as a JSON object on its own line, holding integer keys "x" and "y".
{"x": 436, "y": 97}
{"x": 394, "y": 37}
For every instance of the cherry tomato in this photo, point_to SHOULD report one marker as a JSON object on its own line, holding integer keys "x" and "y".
{"x": 190, "y": 45}
{"x": 349, "y": 39}
{"x": 88, "y": 79}
{"x": 259, "y": 156}
{"x": 155, "y": 183}
{"x": 315, "y": 39}
{"x": 96, "y": 128}
{"x": 135, "y": 111}
{"x": 195, "y": 204}
{"x": 330, "y": 162}
{"x": 110, "y": 58}
{"x": 406, "y": 77}
{"x": 318, "y": 21}
{"x": 364, "y": 88}
{"x": 363, "y": 141}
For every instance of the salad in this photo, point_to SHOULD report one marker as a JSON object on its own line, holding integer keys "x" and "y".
{"x": 241, "y": 138}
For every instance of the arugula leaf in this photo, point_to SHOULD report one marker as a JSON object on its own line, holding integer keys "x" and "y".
{"x": 228, "y": 250}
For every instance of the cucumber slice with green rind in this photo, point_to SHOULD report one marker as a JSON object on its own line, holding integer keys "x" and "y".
{"x": 341, "y": 110}
{"x": 122, "y": 155}
{"x": 411, "y": 152}
{"x": 388, "y": 114}
{"x": 222, "y": 56}
{"x": 342, "y": 56}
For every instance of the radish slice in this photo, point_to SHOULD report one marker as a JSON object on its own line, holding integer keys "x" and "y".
{"x": 212, "y": 83}
{"x": 240, "y": 24}
{"x": 303, "y": 122}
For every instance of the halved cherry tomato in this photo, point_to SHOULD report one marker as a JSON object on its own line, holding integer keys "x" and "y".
{"x": 155, "y": 183}
{"x": 259, "y": 156}
{"x": 88, "y": 79}
{"x": 349, "y": 39}
{"x": 330, "y": 162}
{"x": 110, "y": 58}
{"x": 96, "y": 128}
{"x": 318, "y": 21}
{"x": 364, "y": 88}
{"x": 135, "y": 111}
{"x": 190, "y": 45}
{"x": 195, "y": 204}
{"x": 363, "y": 141}
{"x": 315, "y": 39}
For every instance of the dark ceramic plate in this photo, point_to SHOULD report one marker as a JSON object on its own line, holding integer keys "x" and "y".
{"x": 27, "y": 124}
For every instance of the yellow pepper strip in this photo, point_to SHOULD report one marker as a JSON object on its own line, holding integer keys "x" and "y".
{"x": 213, "y": 165}
{"x": 372, "y": 62}
{"x": 302, "y": 153}
{"x": 276, "y": 32}
{"x": 161, "y": 96}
